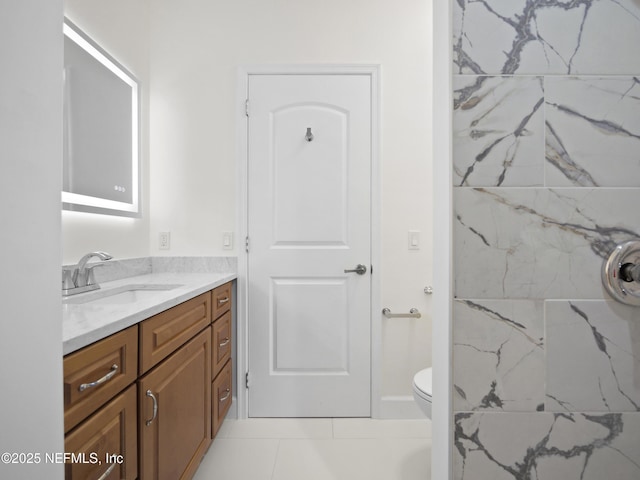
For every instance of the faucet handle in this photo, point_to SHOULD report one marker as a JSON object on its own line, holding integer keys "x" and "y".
{"x": 90, "y": 277}
{"x": 67, "y": 279}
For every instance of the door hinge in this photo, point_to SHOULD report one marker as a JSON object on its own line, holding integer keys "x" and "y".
{"x": 246, "y": 107}
{"x": 246, "y": 244}
{"x": 246, "y": 380}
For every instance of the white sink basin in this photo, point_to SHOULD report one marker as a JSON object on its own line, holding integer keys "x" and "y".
{"x": 120, "y": 295}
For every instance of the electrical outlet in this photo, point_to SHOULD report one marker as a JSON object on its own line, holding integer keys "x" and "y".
{"x": 164, "y": 240}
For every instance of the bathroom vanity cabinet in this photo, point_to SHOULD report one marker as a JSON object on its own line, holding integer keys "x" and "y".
{"x": 174, "y": 391}
{"x": 146, "y": 402}
{"x": 99, "y": 420}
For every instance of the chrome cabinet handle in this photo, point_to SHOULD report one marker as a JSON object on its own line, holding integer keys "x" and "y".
{"x": 155, "y": 408}
{"x": 222, "y": 301}
{"x": 108, "y": 471}
{"x": 222, "y": 399}
{"x": 360, "y": 269}
{"x": 100, "y": 381}
{"x": 225, "y": 342}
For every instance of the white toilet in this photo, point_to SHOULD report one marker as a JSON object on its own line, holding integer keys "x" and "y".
{"x": 422, "y": 390}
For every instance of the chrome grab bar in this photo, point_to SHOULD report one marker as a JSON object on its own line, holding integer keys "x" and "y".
{"x": 100, "y": 381}
{"x": 413, "y": 313}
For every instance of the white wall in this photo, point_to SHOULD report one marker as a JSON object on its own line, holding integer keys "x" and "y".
{"x": 121, "y": 28}
{"x": 196, "y": 48}
{"x": 187, "y": 57}
{"x": 31, "y": 159}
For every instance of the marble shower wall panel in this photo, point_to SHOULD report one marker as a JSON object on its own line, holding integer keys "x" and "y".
{"x": 498, "y": 131}
{"x": 538, "y": 243}
{"x": 593, "y": 357}
{"x": 546, "y": 175}
{"x": 498, "y": 355}
{"x": 546, "y": 37}
{"x": 592, "y": 131}
{"x": 546, "y": 446}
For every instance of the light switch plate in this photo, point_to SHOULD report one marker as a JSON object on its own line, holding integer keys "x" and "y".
{"x": 414, "y": 240}
{"x": 227, "y": 240}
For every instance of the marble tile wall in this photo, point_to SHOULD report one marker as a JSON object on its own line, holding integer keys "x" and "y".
{"x": 546, "y": 172}
{"x": 547, "y": 446}
{"x": 498, "y": 350}
{"x": 593, "y": 356}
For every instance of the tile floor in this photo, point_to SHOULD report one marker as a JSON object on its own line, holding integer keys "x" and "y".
{"x": 319, "y": 449}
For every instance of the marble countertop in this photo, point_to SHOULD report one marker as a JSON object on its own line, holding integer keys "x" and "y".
{"x": 85, "y": 323}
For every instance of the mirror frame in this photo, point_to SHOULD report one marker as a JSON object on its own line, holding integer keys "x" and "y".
{"x": 86, "y": 203}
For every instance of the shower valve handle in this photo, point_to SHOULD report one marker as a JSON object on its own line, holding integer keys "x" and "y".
{"x": 630, "y": 272}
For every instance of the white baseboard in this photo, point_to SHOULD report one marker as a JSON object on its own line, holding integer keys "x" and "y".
{"x": 400, "y": 407}
{"x": 392, "y": 407}
{"x": 233, "y": 409}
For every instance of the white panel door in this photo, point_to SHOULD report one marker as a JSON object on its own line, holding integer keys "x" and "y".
{"x": 309, "y": 220}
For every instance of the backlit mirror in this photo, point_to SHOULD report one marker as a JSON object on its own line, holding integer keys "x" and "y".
{"x": 101, "y": 124}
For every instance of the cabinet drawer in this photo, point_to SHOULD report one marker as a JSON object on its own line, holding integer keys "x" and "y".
{"x": 221, "y": 300}
{"x": 95, "y": 374}
{"x": 221, "y": 343}
{"x": 112, "y": 431}
{"x": 164, "y": 333}
{"x": 222, "y": 394}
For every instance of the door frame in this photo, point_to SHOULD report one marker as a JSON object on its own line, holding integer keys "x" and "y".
{"x": 442, "y": 331}
{"x": 243, "y": 74}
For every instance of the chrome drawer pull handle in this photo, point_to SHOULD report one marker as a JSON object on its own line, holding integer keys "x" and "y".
{"x": 155, "y": 408}
{"x": 223, "y": 300}
{"x": 225, "y": 342}
{"x": 222, "y": 399}
{"x": 108, "y": 471}
{"x": 100, "y": 381}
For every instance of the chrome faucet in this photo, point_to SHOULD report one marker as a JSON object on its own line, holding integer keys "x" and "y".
{"x": 81, "y": 279}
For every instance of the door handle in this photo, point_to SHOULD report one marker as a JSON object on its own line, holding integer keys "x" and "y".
{"x": 360, "y": 270}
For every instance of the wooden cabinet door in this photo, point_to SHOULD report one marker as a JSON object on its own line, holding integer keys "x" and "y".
{"x": 106, "y": 444}
{"x": 173, "y": 440}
